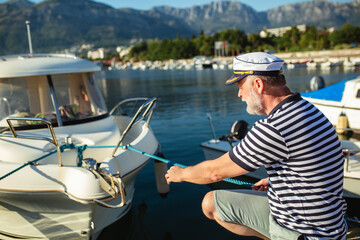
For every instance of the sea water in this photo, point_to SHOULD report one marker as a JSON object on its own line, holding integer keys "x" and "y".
{"x": 186, "y": 99}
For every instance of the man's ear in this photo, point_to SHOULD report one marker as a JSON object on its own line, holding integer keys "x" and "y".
{"x": 259, "y": 85}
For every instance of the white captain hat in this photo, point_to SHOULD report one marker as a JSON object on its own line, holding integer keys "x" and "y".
{"x": 256, "y": 63}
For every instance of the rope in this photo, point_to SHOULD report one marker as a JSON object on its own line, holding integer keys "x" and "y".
{"x": 230, "y": 180}
{"x": 82, "y": 148}
{"x": 26, "y": 164}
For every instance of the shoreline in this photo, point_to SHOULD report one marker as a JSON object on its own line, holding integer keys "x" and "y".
{"x": 312, "y": 59}
{"x": 315, "y": 56}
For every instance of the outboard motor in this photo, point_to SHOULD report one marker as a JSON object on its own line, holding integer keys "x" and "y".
{"x": 238, "y": 130}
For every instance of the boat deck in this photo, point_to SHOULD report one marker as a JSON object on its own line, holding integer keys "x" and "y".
{"x": 333, "y": 92}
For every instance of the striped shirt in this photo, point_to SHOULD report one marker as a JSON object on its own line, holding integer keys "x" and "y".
{"x": 301, "y": 152}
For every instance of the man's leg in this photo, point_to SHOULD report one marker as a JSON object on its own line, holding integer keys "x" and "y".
{"x": 209, "y": 210}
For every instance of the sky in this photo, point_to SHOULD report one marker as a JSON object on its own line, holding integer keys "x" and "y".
{"x": 258, "y": 5}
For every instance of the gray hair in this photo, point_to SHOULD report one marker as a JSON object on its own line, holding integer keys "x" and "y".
{"x": 271, "y": 80}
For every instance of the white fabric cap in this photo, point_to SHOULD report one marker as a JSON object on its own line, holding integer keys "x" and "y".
{"x": 256, "y": 63}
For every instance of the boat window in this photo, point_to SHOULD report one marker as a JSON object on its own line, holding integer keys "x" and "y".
{"x": 358, "y": 93}
{"x": 25, "y": 97}
{"x": 77, "y": 96}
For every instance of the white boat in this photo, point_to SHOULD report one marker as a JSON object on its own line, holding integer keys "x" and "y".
{"x": 215, "y": 148}
{"x": 64, "y": 169}
{"x": 331, "y": 64}
{"x": 292, "y": 65}
{"x": 340, "y": 99}
{"x": 312, "y": 65}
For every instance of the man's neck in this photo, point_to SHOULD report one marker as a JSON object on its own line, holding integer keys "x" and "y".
{"x": 274, "y": 96}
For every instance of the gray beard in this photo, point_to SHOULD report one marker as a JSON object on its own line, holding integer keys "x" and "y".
{"x": 254, "y": 103}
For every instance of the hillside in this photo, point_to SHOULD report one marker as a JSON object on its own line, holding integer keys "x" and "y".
{"x": 60, "y": 24}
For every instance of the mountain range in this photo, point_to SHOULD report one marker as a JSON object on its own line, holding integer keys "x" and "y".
{"x": 60, "y": 24}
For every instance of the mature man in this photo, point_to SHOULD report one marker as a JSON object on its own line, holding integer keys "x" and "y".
{"x": 302, "y": 198}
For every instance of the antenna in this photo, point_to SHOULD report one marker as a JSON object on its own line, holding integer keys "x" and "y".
{"x": 29, "y": 36}
{"x": 212, "y": 127}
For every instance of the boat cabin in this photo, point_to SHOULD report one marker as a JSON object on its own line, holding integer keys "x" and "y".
{"x": 62, "y": 98}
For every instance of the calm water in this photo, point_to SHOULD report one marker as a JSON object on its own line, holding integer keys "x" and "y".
{"x": 180, "y": 122}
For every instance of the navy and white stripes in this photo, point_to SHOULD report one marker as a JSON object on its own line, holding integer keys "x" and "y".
{"x": 302, "y": 155}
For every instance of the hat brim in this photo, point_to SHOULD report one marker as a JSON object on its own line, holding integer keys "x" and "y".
{"x": 235, "y": 78}
{"x": 238, "y": 75}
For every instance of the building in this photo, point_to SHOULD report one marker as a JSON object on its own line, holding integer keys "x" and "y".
{"x": 97, "y": 53}
{"x": 278, "y": 32}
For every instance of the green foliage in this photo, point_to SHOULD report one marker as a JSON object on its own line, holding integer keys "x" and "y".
{"x": 292, "y": 40}
{"x": 346, "y": 34}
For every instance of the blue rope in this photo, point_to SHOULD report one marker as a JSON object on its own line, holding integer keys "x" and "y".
{"x": 230, "y": 180}
{"x": 82, "y": 148}
{"x": 154, "y": 157}
{"x": 26, "y": 164}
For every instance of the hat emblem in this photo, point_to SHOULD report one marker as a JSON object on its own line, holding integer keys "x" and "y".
{"x": 243, "y": 72}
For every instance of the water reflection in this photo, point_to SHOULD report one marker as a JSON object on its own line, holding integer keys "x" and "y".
{"x": 130, "y": 227}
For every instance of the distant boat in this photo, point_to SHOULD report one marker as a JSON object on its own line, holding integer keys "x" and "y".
{"x": 202, "y": 62}
{"x": 352, "y": 63}
{"x": 295, "y": 65}
{"x": 332, "y": 64}
{"x": 312, "y": 64}
{"x": 340, "y": 99}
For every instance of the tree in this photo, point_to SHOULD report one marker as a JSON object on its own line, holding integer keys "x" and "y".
{"x": 236, "y": 38}
{"x": 290, "y": 39}
{"x": 138, "y": 50}
{"x": 346, "y": 34}
{"x": 309, "y": 38}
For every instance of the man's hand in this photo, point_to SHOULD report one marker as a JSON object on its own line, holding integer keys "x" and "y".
{"x": 206, "y": 172}
{"x": 174, "y": 174}
{"x": 261, "y": 185}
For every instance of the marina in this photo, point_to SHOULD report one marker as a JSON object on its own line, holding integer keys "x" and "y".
{"x": 346, "y": 58}
{"x": 89, "y": 126}
{"x": 78, "y": 180}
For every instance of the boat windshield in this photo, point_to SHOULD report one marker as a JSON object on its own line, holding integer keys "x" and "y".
{"x": 64, "y": 98}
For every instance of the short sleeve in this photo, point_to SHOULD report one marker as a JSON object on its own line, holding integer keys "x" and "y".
{"x": 263, "y": 145}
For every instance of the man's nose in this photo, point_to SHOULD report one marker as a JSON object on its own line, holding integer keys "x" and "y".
{"x": 239, "y": 93}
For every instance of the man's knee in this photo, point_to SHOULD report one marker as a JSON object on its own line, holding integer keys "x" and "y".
{"x": 208, "y": 206}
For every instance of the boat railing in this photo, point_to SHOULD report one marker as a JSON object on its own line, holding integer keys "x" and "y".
{"x": 346, "y": 130}
{"x": 143, "y": 112}
{"x": 348, "y": 154}
{"x": 52, "y": 140}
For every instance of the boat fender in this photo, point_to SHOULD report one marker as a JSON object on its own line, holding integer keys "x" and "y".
{"x": 238, "y": 130}
{"x": 316, "y": 83}
{"x": 160, "y": 170}
{"x": 342, "y": 123}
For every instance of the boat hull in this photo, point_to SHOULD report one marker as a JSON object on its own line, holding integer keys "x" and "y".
{"x": 332, "y": 110}
{"x": 339, "y": 98}
{"x": 52, "y": 215}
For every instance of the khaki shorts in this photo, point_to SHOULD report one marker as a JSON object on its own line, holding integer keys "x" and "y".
{"x": 250, "y": 208}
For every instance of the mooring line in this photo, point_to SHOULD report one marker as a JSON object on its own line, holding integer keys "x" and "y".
{"x": 82, "y": 148}
{"x": 230, "y": 180}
